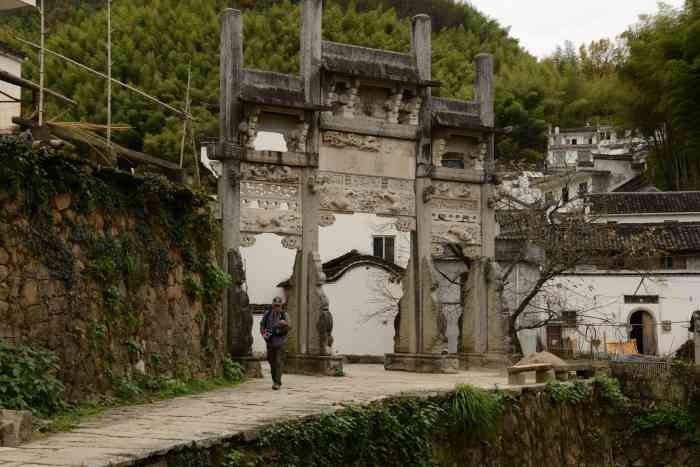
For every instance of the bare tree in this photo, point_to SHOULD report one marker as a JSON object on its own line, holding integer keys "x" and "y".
{"x": 553, "y": 239}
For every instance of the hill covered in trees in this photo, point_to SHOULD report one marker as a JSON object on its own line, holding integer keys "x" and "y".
{"x": 155, "y": 44}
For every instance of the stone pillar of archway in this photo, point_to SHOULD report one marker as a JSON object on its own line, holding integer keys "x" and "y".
{"x": 421, "y": 341}
{"x": 309, "y": 347}
{"x": 238, "y": 318}
{"x": 697, "y": 339}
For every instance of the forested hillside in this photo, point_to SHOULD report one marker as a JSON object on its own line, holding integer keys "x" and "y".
{"x": 154, "y": 45}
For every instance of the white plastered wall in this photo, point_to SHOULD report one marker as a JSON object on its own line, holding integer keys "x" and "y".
{"x": 601, "y": 297}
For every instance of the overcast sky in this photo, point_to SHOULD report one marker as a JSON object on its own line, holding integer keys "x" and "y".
{"x": 541, "y": 25}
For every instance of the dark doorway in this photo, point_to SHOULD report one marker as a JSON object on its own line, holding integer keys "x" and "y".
{"x": 643, "y": 332}
{"x": 554, "y": 339}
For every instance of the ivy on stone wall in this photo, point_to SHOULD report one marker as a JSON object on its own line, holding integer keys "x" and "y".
{"x": 102, "y": 229}
{"x": 398, "y": 432}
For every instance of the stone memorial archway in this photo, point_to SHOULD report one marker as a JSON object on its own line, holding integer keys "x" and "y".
{"x": 364, "y": 135}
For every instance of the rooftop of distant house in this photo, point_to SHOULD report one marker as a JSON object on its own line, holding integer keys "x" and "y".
{"x": 602, "y": 239}
{"x": 645, "y": 203}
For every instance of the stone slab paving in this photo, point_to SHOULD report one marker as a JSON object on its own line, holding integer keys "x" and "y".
{"x": 123, "y": 436}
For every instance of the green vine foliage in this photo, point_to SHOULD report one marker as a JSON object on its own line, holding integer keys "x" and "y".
{"x": 675, "y": 418}
{"x": 398, "y": 432}
{"x": 610, "y": 392}
{"x": 572, "y": 394}
{"x": 28, "y": 380}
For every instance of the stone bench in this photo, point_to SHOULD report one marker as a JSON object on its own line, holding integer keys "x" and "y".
{"x": 583, "y": 370}
{"x": 544, "y": 372}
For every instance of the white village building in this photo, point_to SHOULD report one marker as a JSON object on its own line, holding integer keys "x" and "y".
{"x": 648, "y": 303}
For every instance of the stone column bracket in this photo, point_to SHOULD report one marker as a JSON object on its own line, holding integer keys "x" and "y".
{"x": 231, "y": 151}
{"x": 327, "y": 219}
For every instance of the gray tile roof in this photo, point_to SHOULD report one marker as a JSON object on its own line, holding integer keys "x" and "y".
{"x": 645, "y": 203}
{"x": 604, "y": 239}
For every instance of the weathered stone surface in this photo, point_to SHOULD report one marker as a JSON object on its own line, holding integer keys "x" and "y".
{"x": 422, "y": 363}
{"x": 63, "y": 201}
{"x": 30, "y": 293}
{"x": 4, "y": 256}
{"x": 15, "y": 427}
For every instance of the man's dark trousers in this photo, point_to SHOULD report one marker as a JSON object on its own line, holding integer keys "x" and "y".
{"x": 275, "y": 357}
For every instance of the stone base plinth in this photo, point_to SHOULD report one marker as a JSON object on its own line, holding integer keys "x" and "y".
{"x": 493, "y": 360}
{"x": 252, "y": 366}
{"x": 15, "y": 428}
{"x": 316, "y": 365}
{"x": 422, "y": 363}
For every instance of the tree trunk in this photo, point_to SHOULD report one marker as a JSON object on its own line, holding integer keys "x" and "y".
{"x": 516, "y": 347}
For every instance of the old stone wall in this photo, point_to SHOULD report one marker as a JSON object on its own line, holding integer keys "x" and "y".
{"x": 554, "y": 426}
{"x": 112, "y": 272}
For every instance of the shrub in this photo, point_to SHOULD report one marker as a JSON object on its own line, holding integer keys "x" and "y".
{"x": 569, "y": 393}
{"x": 28, "y": 380}
{"x": 611, "y": 393}
{"x": 473, "y": 410}
{"x": 233, "y": 372}
{"x": 675, "y": 418}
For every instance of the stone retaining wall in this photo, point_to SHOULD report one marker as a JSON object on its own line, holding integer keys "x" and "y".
{"x": 107, "y": 270}
{"x": 533, "y": 431}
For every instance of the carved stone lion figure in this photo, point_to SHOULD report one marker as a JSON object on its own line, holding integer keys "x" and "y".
{"x": 325, "y": 326}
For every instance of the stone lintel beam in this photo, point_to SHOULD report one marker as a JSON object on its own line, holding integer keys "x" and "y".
{"x": 457, "y": 175}
{"x": 369, "y": 127}
{"x": 293, "y": 159}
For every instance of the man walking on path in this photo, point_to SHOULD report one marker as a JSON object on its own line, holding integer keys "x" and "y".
{"x": 274, "y": 328}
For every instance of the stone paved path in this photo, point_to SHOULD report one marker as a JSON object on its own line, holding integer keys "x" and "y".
{"x": 123, "y": 436}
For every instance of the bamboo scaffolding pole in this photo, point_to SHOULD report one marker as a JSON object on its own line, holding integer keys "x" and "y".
{"x": 121, "y": 83}
{"x": 109, "y": 80}
{"x": 42, "y": 62}
{"x": 187, "y": 109}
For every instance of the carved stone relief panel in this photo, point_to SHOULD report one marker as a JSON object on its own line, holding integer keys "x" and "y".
{"x": 459, "y": 151}
{"x": 373, "y": 102}
{"x": 410, "y": 109}
{"x": 326, "y": 219}
{"x": 342, "y": 96}
{"x": 352, "y": 153}
{"x": 249, "y": 127}
{"x": 270, "y": 199}
{"x": 456, "y": 213}
{"x": 361, "y": 193}
{"x": 406, "y": 224}
{"x": 247, "y": 240}
{"x": 292, "y": 242}
{"x": 337, "y": 139}
{"x": 353, "y": 98}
